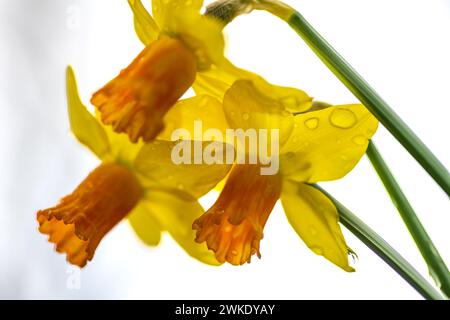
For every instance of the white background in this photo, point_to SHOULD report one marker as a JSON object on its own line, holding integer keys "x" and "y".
{"x": 400, "y": 47}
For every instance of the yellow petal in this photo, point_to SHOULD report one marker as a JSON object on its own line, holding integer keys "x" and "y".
{"x": 161, "y": 9}
{"x": 216, "y": 81}
{"x": 144, "y": 224}
{"x": 121, "y": 149}
{"x": 176, "y": 215}
{"x": 187, "y": 113}
{"x": 328, "y": 143}
{"x": 144, "y": 25}
{"x": 211, "y": 82}
{"x": 158, "y": 168}
{"x": 246, "y": 107}
{"x": 315, "y": 219}
{"x": 83, "y": 124}
{"x": 202, "y": 34}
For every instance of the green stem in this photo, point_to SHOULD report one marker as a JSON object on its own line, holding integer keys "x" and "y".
{"x": 389, "y": 255}
{"x": 436, "y": 265}
{"x": 361, "y": 89}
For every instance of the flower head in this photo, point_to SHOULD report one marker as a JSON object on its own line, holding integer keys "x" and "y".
{"x": 137, "y": 99}
{"x": 134, "y": 181}
{"x": 320, "y": 144}
{"x": 78, "y": 223}
{"x": 179, "y": 42}
{"x": 233, "y": 226}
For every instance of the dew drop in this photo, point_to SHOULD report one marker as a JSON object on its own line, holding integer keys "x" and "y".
{"x": 285, "y": 113}
{"x": 268, "y": 191}
{"x": 180, "y": 186}
{"x": 234, "y": 252}
{"x": 289, "y": 102}
{"x": 359, "y": 140}
{"x": 216, "y": 220}
{"x": 343, "y": 157}
{"x": 313, "y": 230}
{"x": 317, "y": 250}
{"x": 290, "y": 155}
{"x": 312, "y": 123}
{"x": 353, "y": 256}
{"x": 342, "y": 118}
{"x": 245, "y": 116}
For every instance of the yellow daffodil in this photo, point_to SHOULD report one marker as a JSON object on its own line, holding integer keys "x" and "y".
{"x": 179, "y": 42}
{"x": 321, "y": 144}
{"x": 136, "y": 181}
{"x": 183, "y": 48}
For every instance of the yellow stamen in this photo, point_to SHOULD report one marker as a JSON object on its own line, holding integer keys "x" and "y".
{"x": 79, "y": 222}
{"x": 233, "y": 226}
{"x": 136, "y": 100}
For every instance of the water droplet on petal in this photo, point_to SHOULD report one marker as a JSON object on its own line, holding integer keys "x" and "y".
{"x": 269, "y": 190}
{"x": 312, "y": 123}
{"x": 289, "y": 102}
{"x": 290, "y": 155}
{"x": 343, "y": 157}
{"x": 353, "y": 255}
{"x": 342, "y": 118}
{"x": 234, "y": 252}
{"x": 313, "y": 230}
{"x": 285, "y": 113}
{"x": 216, "y": 219}
{"x": 180, "y": 186}
{"x": 317, "y": 250}
{"x": 360, "y": 140}
{"x": 245, "y": 116}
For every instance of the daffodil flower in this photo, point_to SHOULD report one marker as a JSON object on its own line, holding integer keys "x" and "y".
{"x": 134, "y": 181}
{"x": 179, "y": 42}
{"x": 183, "y": 48}
{"x": 319, "y": 145}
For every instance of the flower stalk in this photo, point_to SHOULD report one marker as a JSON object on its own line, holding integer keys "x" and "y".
{"x": 381, "y": 248}
{"x": 436, "y": 265}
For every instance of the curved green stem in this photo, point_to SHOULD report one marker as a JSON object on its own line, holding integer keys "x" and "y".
{"x": 389, "y": 255}
{"x": 436, "y": 265}
{"x": 361, "y": 89}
